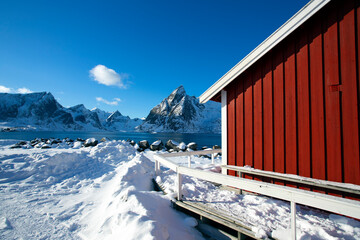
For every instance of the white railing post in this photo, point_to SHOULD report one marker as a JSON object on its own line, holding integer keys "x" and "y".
{"x": 239, "y": 175}
{"x": 179, "y": 184}
{"x": 213, "y": 158}
{"x": 224, "y": 130}
{"x": 293, "y": 220}
{"x": 157, "y": 167}
{"x": 189, "y": 161}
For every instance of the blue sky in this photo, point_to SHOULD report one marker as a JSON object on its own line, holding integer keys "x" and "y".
{"x": 129, "y": 55}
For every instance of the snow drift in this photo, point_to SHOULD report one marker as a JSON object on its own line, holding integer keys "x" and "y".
{"x": 102, "y": 192}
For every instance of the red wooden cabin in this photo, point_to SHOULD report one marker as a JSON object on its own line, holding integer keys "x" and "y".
{"x": 292, "y": 105}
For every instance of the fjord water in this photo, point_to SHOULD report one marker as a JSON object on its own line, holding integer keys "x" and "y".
{"x": 202, "y": 139}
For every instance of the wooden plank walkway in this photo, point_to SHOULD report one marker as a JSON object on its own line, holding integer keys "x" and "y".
{"x": 204, "y": 212}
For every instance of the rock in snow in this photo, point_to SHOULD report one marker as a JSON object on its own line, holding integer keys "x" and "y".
{"x": 90, "y": 142}
{"x": 182, "y": 146}
{"x": 144, "y": 144}
{"x": 171, "y": 144}
{"x": 192, "y": 146}
{"x": 157, "y": 145}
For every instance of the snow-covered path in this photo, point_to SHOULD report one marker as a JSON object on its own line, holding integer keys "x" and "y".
{"x": 103, "y": 192}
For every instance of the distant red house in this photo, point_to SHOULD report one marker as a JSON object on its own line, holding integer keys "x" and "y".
{"x": 292, "y": 105}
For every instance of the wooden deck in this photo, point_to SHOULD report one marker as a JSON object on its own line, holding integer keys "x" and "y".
{"x": 232, "y": 228}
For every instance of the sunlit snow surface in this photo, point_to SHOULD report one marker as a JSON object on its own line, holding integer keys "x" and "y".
{"x": 266, "y": 216}
{"x": 105, "y": 192}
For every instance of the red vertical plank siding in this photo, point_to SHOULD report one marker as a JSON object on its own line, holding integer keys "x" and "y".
{"x": 240, "y": 123}
{"x": 248, "y": 126}
{"x": 332, "y": 98}
{"x": 303, "y": 105}
{"x": 268, "y": 116}
{"x": 290, "y": 109}
{"x": 231, "y": 127}
{"x": 279, "y": 143}
{"x": 357, "y": 8}
{"x": 317, "y": 103}
{"x": 349, "y": 95}
{"x": 296, "y": 110}
{"x": 258, "y": 118}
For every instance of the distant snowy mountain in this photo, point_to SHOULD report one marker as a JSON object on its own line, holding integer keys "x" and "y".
{"x": 85, "y": 117}
{"x": 101, "y": 114}
{"x": 116, "y": 121}
{"x": 180, "y": 112}
{"x": 35, "y": 110}
{"x": 40, "y": 111}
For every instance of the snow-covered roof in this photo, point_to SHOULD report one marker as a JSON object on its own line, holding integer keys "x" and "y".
{"x": 286, "y": 29}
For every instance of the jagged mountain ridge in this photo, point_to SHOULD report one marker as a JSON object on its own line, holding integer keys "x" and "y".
{"x": 180, "y": 112}
{"x": 41, "y": 111}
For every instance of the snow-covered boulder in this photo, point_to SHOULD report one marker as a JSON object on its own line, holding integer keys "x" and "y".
{"x": 193, "y": 146}
{"x": 15, "y": 146}
{"x": 171, "y": 144}
{"x": 55, "y": 141}
{"x": 182, "y": 146}
{"x": 77, "y": 144}
{"x": 91, "y": 142}
{"x": 22, "y": 143}
{"x": 157, "y": 145}
{"x": 144, "y": 144}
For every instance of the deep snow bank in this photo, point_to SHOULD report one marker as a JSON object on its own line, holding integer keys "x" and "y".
{"x": 102, "y": 192}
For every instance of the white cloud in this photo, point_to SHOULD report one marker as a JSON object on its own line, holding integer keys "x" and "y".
{"x": 23, "y": 90}
{"x": 4, "y": 89}
{"x": 115, "y": 101}
{"x": 107, "y": 76}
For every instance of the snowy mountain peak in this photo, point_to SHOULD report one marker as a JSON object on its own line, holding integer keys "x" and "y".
{"x": 115, "y": 115}
{"x": 176, "y": 95}
{"x": 95, "y": 109}
{"x": 79, "y": 107}
{"x": 31, "y": 107}
{"x": 180, "y": 112}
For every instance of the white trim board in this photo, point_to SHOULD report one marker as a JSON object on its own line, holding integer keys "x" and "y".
{"x": 285, "y": 30}
{"x": 224, "y": 129}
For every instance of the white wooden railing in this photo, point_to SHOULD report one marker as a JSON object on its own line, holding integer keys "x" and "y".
{"x": 347, "y": 207}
